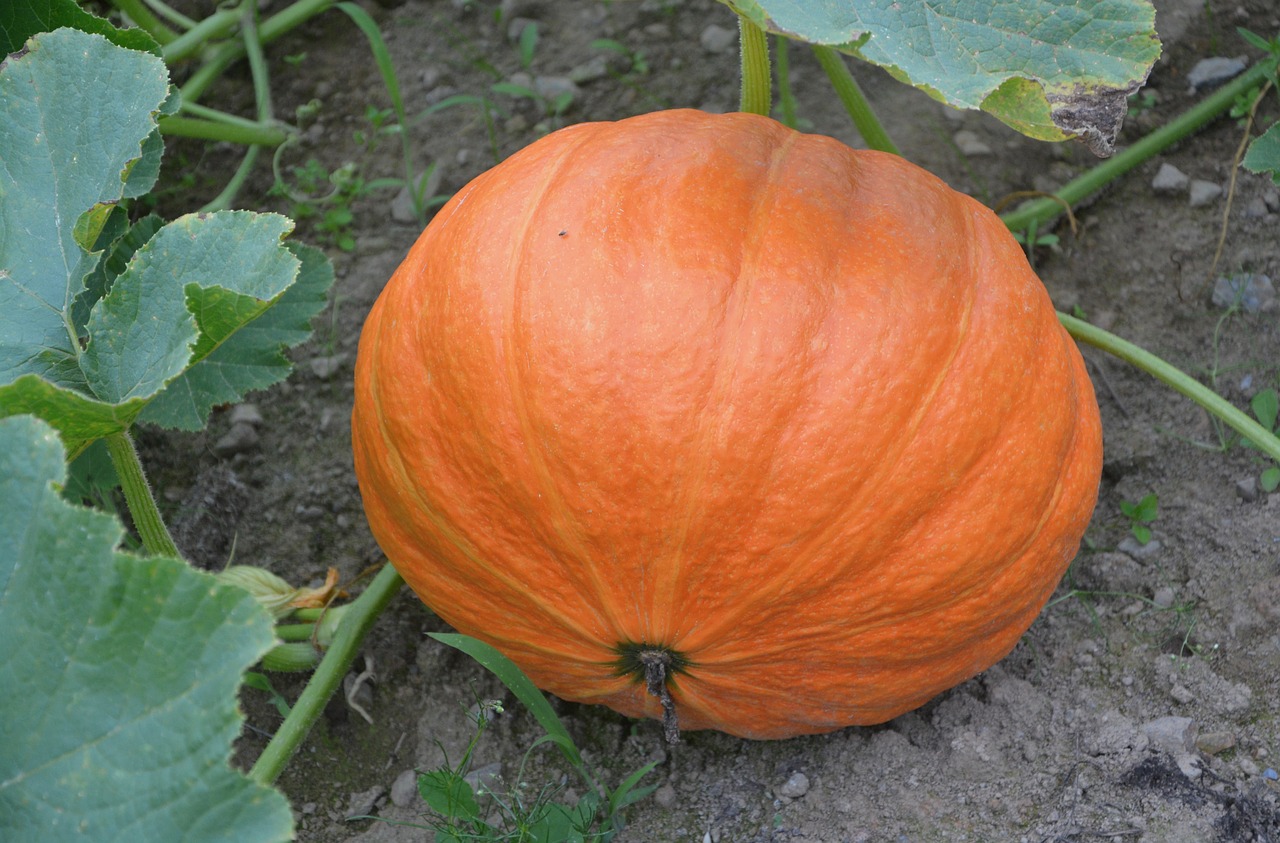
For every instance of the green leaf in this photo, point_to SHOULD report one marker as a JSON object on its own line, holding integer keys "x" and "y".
{"x": 95, "y": 323}
{"x": 1266, "y": 408}
{"x": 1270, "y": 479}
{"x": 127, "y": 670}
{"x": 1051, "y": 69}
{"x": 1263, "y": 155}
{"x": 253, "y": 357}
{"x": 66, "y": 143}
{"x": 449, "y": 794}
{"x": 21, "y": 19}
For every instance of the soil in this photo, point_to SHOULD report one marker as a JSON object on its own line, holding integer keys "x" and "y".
{"x": 1070, "y": 737}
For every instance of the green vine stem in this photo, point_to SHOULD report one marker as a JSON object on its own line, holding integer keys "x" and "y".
{"x": 1042, "y": 210}
{"x": 756, "y": 95}
{"x": 269, "y": 30}
{"x": 137, "y": 494}
{"x": 1176, "y": 379}
{"x": 855, "y": 102}
{"x": 220, "y": 130}
{"x": 138, "y": 12}
{"x": 213, "y": 28}
{"x": 337, "y": 660}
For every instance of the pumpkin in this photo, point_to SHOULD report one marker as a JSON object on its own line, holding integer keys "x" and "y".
{"x": 702, "y": 418}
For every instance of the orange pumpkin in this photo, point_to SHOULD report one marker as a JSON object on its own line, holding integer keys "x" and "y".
{"x": 697, "y": 411}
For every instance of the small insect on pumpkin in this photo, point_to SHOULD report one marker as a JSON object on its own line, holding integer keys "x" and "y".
{"x": 786, "y": 437}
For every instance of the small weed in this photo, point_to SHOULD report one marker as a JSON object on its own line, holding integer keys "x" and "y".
{"x": 1142, "y": 102}
{"x": 1141, "y": 514}
{"x": 637, "y": 64}
{"x": 491, "y": 811}
{"x": 527, "y": 44}
{"x": 1266, "y": 409}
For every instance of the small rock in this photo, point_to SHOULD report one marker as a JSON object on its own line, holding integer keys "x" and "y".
{"x": 486, "y": 779}
{"x": 245, "y": 414}
{"x": 1212, "y": 743}
{"x": 1163, "y": 598}
{"x": 553, "y": 87}
{"x": 795, "y": 786}
{"x": 241, "y": 438}
{"x": 717, "y": 39}
{"x": 1137, "y": 549}
{"x": 969, "y": 144}
{"x": 1212, "y": 72}
{"x": 665, "y": 796}
{"x": 1189, "y": 764}
{"x": 1169, "y": 179}
{"x": 1271, "y": 199}
{"x": 1174, "y": 735}
{"x": 427, "y": 184}
{"x": 1203, "y": 192}
{"x": 1251, "y": 291}
{"x": 1182, "y": 694}
{"x": 1256, "y": 209}
{"x": 325, "y": 367}
{"x": 362, "y": 804}
{"x": 590, "y": 71}
{"x": 1247, "y": 489}
{"x": 404, "y": 790}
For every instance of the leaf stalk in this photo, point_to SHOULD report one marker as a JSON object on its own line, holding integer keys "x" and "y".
{"x": 756, "y": 94}
{"x": 855, "y": 102}
{"x": 137, "y": 494}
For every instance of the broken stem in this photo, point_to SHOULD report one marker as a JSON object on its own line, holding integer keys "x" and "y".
{"x": 656, "y": 663}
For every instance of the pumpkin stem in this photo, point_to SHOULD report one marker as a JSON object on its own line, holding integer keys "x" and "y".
{"x": 656, "y": 664}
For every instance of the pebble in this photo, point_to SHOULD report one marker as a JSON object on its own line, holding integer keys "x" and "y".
{"x": 487, "y": 778}
{"x": 665, "y": 796}
{"x": 241, "y": 438}
{"x": 428, "y": 184}
{"x": 1256, "y": 208}
{"x": 325, "y": 367}
{"x": 1247, "y": 489}
{"x": 552, "y": 87}
{"x": 1137, "y": 549}
{"x": 1169, "y": 179}
{"x": 717, "y": 39}
{"x": 1174, "y": 735}
{"x": 1212, "y": 72}
{"x": 1203, "y": 192}
{"x": 1163, "y": 598}
{"x": 795, "y": 786}
{"x": 246, "y": 414}
{"x": 362, "y": 804}
{"x": 970, "y": 144}
{"x": 404, "y": 790}
{"x": 1212, "y": 743}
{"x": 590, "y": 71}
{"x": 1250, "y": 291}
{"x": 1182, "y": 694}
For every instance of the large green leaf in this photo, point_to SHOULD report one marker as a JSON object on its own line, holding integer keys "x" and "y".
{"x": 1049, "y": 68}
{"x": 97, "y": 319}
{"x": 20, "y": 19}
{"x": 120, "y": 675}
{"x": 251, "y": 358}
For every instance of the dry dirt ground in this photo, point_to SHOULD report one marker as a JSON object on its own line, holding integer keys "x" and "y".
{"x": 1068, "y": 738}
